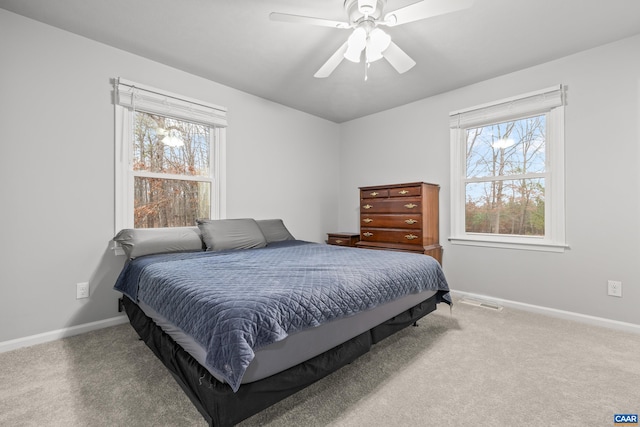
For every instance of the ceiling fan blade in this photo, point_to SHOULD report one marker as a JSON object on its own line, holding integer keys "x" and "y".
{"x": 424, "y": 9}
{"x": 297, "y": 19}
{"x": 332, "y": 63}
{"x": 398, "y": 58}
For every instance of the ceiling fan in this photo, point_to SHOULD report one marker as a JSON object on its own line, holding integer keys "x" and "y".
{"x": 369, "y": 42}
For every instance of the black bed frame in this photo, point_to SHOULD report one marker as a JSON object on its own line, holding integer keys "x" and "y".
{"x": 215, "y": 400}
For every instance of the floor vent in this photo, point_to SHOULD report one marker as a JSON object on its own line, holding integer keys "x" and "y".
{"x": 484, "y": 304}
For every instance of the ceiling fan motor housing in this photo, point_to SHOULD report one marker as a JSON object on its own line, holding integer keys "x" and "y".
{"x": 357, "y": 9}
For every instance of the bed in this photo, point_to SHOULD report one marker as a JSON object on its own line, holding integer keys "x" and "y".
{"x": 243, "y": 315}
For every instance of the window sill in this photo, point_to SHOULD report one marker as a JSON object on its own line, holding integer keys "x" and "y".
{"x": 520, "y": 244}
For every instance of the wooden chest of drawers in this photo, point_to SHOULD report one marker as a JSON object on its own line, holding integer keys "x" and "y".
{"x": 401, "y": 217}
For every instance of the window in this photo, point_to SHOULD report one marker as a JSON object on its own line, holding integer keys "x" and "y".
{"x": 507, "y": 173}
{"x": 169, "y": 158}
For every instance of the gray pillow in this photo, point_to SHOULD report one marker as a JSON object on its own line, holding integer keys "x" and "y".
{"x": 274, "y": 230}
{"x": 146, "y": 241}
{"x": 225, "y": 234}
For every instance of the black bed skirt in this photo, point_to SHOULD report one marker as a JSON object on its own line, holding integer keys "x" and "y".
{"x": 217, "y": 402}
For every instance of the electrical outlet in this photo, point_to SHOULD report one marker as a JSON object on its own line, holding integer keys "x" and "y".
{"x": 82, "y": 290}
{"x": 614, "y": 288}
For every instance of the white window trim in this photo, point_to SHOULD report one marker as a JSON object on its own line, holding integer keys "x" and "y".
{"x": 548, "y": 101}
{"x": 130, "y": 96}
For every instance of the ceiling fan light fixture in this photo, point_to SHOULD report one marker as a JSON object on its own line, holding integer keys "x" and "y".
{"x": 377, "y": 42}
{"x": 172, "y": 138}
{"x": 353, "y": 55}
{"x": 356, "y": 42}
{"x": 172, "y": 141}
{"x": 358, "y": 39}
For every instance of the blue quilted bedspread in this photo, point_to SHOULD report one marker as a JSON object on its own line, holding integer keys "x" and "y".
{"x": 235, "y": 302}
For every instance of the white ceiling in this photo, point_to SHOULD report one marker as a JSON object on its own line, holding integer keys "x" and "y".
{"x": 233, "y": 42}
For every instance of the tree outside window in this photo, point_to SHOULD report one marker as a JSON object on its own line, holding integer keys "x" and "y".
{"x": 505, "y": 178}
{"x": 171, "y": 167}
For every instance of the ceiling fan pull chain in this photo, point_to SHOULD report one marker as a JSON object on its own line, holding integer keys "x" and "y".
{"x": 366, "y": 70}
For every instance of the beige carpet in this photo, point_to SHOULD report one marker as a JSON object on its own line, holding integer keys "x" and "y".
{"x": 472, "y": 367}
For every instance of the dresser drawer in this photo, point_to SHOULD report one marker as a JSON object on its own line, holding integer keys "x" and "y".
{"x": 413, "y": 221}
{"x": 387, "y": 206}
{"x": 374, "y": 194}
{"x": 343, "y": 239}
{"x": 391, "y": 236}
{"x": 405, "y": 191}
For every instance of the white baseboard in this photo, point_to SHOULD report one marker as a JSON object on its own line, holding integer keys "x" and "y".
{"x": 61, "y": 333}
{"x": 583, "y": 318}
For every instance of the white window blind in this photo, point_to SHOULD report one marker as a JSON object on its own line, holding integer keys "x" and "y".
{"x": 528, "y": 104}
{"x": 145, "y": 98}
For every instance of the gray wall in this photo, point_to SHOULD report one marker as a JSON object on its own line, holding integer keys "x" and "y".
{"x": 57, "y": 170}
{"x": 57, "y": 175}
{"x": 602, "y": 158}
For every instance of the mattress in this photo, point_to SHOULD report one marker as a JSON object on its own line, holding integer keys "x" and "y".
{"x": 299, "y": 346}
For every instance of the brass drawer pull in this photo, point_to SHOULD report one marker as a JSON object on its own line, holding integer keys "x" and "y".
{"x": 410, "y": 221}
{"x": 410, "y": 206}
{"x": 410, "y": 236}
{"x": 374, "y": 194}
{"x": 367, "y": 206}
{"x": 367, "y": 234}
{"x": 403, "y": 192}
{"x": 367, "y": 220}
{"x": 339, "y": 241}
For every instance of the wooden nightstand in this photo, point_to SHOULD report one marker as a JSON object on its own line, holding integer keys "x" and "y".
{"x": 343, "y": 239}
